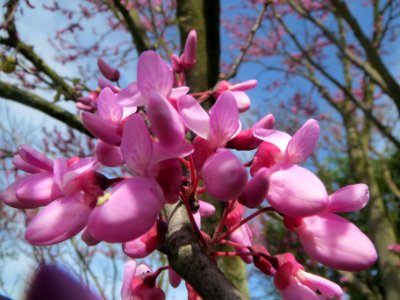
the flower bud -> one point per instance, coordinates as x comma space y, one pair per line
224, 175
189, 53
108, 72
255, 190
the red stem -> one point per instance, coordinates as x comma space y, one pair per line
191, 218
244, 221
221, 224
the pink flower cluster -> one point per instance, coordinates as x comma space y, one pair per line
145, 127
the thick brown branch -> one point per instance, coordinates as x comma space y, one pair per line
373, 56
367, 112
12, 92
356, 60
134, 26
28, 52
245, 48
187, 257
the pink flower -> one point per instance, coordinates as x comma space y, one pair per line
256, 189
59, 221
242, 100
287, 149
241, 235
217, 128
188, 58
143, 245
336, 242
332, 240
138, 283
148, 158
155, 82
245, 140
224, 175
107, 124
79, 186
130, 210
294, 283
108, 72
295, 191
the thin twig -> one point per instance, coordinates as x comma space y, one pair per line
245, 48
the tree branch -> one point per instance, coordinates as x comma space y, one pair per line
373, 57
367, 112
243, 50
12, 92
27, 51
189, 259
134, 26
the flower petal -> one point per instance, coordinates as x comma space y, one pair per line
224, 175
143, 245
108, 107
130, 96
35, 158
194, 116
136, 144
256, 189
165, 121
21, 164
153, 75
38, 189
297, 192
224, 120
327, 288
242, 100
105, 130
9, 197
130, 211
108, 155
278, 138
349, 198
129, 274
58, 221
336, 243
303, 142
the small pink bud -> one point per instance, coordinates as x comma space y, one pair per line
256, 189
174, 278
224, 175
349, 198
176, 63
244, 86
206, 209
108, 72
244, 141
189, 53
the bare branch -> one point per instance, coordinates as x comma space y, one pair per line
134, 26
373, 56
12, 92
239, 59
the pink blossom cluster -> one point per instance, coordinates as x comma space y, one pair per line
145, 126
